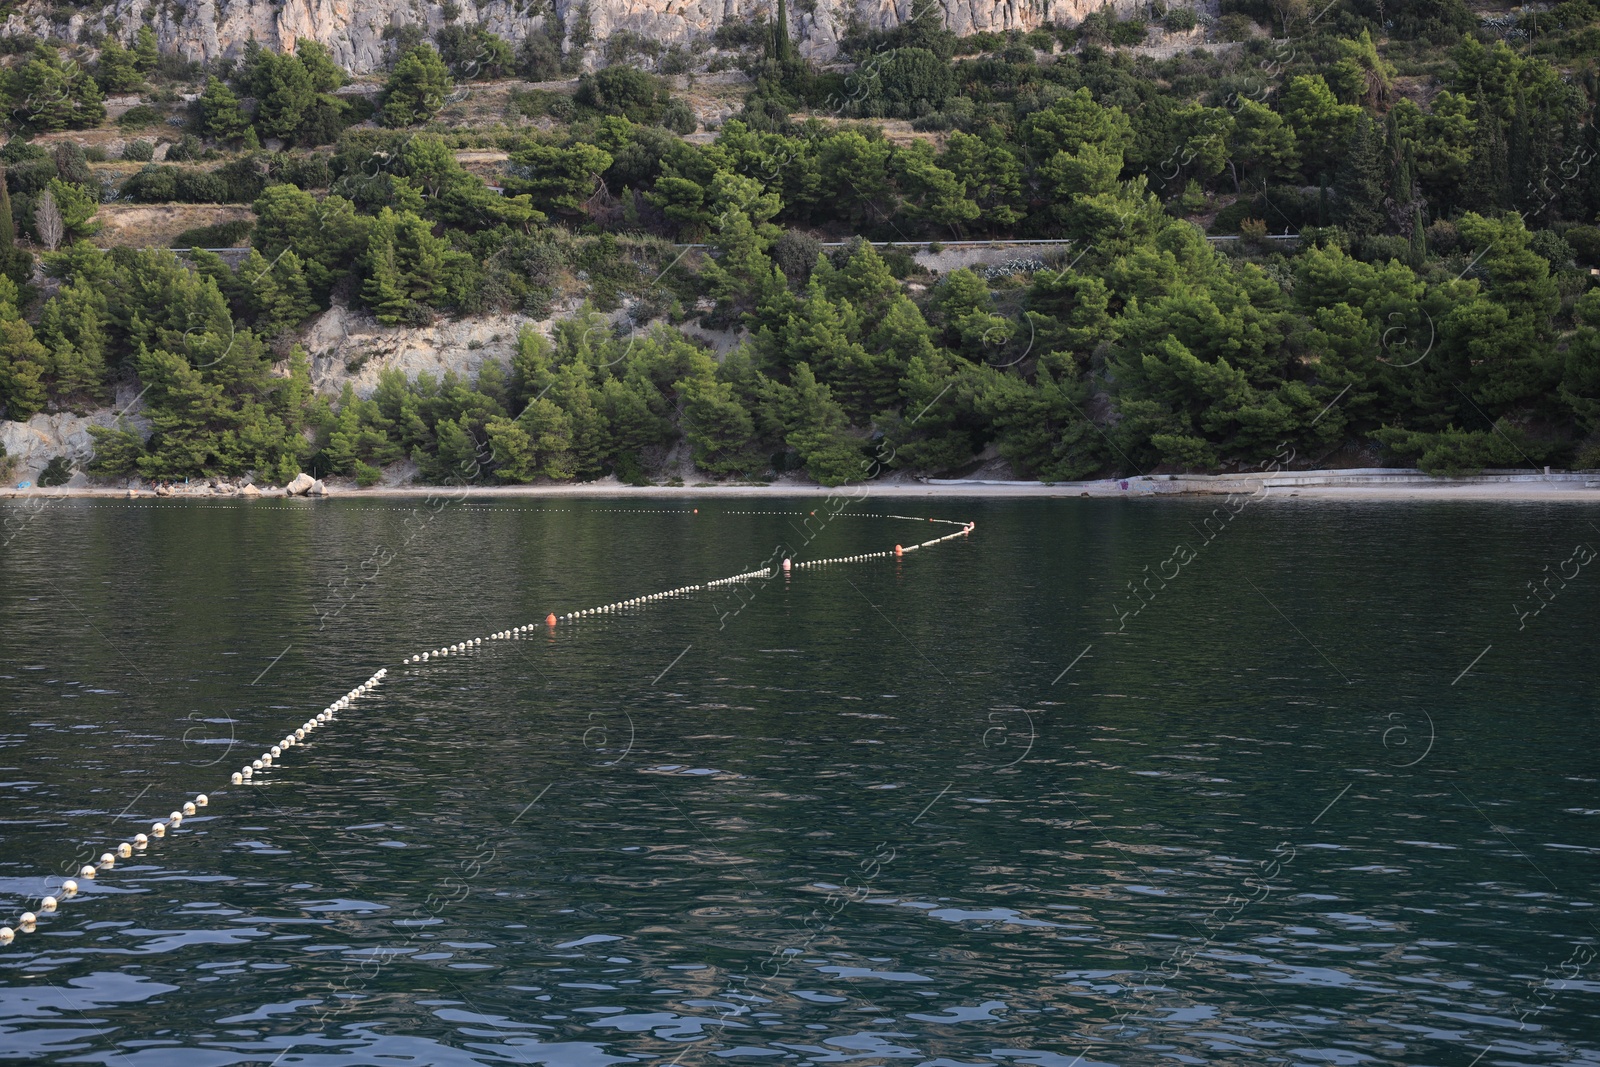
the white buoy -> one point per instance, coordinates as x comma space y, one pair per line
266, 759
86, 872
140, 841
107, 859
201, 800
175, 819
7, 935
237, 779
48, 904
124, 850
276, 752
158, 829
28, 918
69, 887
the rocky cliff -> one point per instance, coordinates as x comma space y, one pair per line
354, 32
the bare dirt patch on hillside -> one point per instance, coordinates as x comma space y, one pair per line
157, 225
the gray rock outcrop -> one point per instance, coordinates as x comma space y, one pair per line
205, 30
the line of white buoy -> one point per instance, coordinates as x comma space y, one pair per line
139, 843
69, 888
551, 620
447, 650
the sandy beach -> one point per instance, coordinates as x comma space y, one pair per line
1370, 485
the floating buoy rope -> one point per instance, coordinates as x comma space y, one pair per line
139, 844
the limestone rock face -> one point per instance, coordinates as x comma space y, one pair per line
42, 438
350, 346
354, 32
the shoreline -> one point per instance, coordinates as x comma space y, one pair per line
1346, 485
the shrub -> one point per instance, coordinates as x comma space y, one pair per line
562, 109
367, 475
138, 151
199, 187
1551, 246
1041, 39
635, 94
220, 235
676, 61
795, 254
1236, 27
95, 154
1443, 238
57, 472
1179, 19
741, 34
244, 178
912, 74
187, 150
141, 115
1585, 244
539, 59
313, 171
1131, 32
679, 117
1381, 248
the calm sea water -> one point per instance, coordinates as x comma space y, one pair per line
1324, 792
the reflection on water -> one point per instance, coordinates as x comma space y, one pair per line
947, 810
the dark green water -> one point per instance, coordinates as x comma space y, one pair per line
1265, 819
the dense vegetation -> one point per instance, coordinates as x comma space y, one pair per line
1437, 307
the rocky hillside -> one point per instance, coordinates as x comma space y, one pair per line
354, 32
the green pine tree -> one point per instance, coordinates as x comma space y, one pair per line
145, 53
221, 115
417, 87
118, 68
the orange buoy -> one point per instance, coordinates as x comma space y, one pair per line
550, 619
697, 511
786, 565
899, 551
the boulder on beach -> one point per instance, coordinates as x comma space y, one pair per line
301, 485
249, 490
317, 489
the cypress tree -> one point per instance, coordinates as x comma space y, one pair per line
1403, 200
1523, 171
1359, 182
1488, 184
782, 47
1419, 239
15, 263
